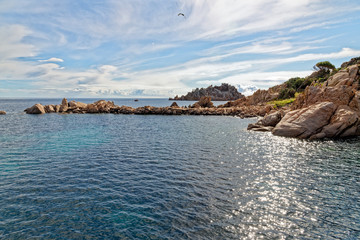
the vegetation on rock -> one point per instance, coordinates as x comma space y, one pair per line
325, 66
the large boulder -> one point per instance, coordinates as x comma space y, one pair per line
64, 105
348, 76
100, 106
80, 105
36, 109
204, 102
174, 105
262, 96
267, 123
344, 123
57, 108
340, 95
2, 112
303, 123
49, 108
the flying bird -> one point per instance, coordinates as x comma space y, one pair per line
181, 14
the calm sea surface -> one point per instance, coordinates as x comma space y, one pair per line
107, 176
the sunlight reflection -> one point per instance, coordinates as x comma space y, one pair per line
274, 193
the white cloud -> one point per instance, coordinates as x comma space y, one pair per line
53, 59
11, 42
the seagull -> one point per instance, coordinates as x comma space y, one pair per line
181, 14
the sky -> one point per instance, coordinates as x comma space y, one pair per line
144, 48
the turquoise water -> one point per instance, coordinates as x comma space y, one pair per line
105, 176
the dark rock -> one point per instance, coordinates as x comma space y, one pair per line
174, 104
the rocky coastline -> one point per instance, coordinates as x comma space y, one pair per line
326, 109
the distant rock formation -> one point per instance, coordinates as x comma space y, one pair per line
2, 112
327, 110
225, 92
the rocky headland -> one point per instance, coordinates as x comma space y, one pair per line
328, 109
224, 92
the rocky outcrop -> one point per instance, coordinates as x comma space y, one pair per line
2, 112
328, 110
267, 123
100, 106
261, 96
174, 104
64, 105
225, 92
305, 122
36, 109
204, 102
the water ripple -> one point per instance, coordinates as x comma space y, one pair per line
156, 177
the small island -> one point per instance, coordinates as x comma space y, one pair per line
224, 92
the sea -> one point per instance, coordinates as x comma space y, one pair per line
106, 176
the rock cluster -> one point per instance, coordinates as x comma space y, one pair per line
330, 110
101, 106
202, 107
225, 92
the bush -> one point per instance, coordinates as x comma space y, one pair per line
287, 93
295, 83
325, 66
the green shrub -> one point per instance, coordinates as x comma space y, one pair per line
326, 65
287, 93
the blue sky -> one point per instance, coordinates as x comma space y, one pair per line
142, 48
